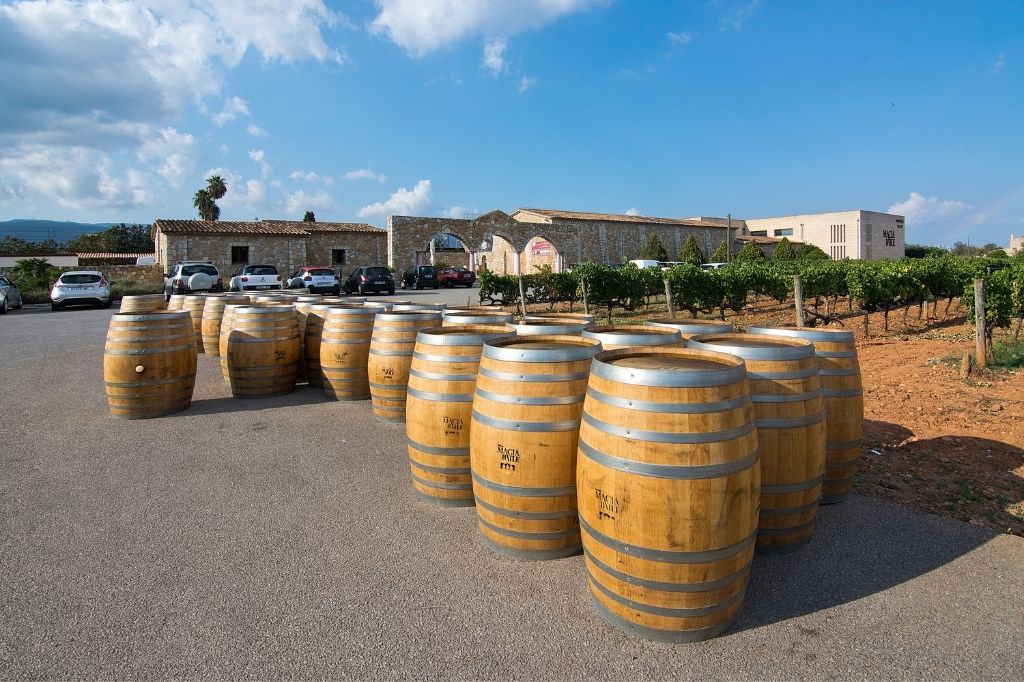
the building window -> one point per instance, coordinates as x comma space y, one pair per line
867, 252
784, 232
759, 233
867, 236
239, 255
337, 256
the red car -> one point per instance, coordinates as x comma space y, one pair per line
455, 276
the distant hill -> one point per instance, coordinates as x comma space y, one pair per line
57, 230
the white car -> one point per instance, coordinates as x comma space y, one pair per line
315, 280
88, 287
255, 278
10, 295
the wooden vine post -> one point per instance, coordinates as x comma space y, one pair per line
798, 300
522, 296
668, 300
980, 345
583, 286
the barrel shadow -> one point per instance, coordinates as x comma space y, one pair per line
302, 395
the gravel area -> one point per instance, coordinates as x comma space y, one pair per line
282, 538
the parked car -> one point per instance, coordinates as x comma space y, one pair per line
316, 280
713, 266
188, 276
80, 286
420, 277
255, 278
10, 295
456, 275
370, 279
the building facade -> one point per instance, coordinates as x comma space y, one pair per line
287, 245
864, 235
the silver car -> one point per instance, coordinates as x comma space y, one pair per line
10, 295
80, 286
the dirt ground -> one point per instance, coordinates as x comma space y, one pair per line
932, 440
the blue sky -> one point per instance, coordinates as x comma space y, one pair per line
114, 111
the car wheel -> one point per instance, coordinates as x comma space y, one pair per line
55, 307
391, 292
109, 303
335, 291
362, 290
3, 306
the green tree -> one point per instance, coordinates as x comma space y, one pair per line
923, 250
216, 186
309, 217
721, 254
750, 253
654, 249
34, 273
812, 252
204, 203
784, 250
691, 253
117, 239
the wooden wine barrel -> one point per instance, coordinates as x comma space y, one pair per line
398, 307
263, 351
394, 338
613, 337
344, 347
438, 406
226, 321
461, 316
689, 327
303, 304
668, 484
194, 304
350, 299
789, 411
213, 313
140, 305
149, 364
839, 369
525, 424
578, 317
549, 327
175, 302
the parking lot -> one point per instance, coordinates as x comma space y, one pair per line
281, 537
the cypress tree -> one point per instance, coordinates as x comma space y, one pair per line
654, 249
784, 250
691, 253
751, 252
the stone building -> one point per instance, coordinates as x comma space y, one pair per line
866, 235
286, 244
1016, 245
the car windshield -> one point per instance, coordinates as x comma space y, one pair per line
322, 272
189, 270
377, 272
427, 270
79, 278
263, 270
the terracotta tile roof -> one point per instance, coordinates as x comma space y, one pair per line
269, 227
115, 255
611, 217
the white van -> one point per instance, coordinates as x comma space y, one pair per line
641, 263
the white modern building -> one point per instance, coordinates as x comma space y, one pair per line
865, 235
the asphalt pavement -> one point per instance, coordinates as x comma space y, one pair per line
281, 538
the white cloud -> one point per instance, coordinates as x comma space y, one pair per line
299, 202
922, 209
525, 83
1000, 63
460, 212
738, 14
680, 38
402, 202
494, 55
233, 108
255, 130
365, 174
632, 211
175, 151
311, 177
259, 157
422, 26
248, 194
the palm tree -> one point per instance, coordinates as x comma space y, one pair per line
216, 186
208, 209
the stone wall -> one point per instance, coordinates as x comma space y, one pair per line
122, 274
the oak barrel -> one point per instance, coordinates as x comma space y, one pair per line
263, 351
669, 485
400, 306
613, 337
149, 364
549, 326
175, 301
438, 409
690, 327
344, 345
460, 316
391, 349
139, 305
213, 314
194, 304
579, 317
525, 424
839, 369
789, 411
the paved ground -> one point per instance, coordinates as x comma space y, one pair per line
257, 539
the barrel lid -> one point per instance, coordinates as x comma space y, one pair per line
404, 307
561, 316
151, 315
264, 309
666, 366
548, 326
415, 315
462, 335
542, 348
340, 309
827, 335
754, 346
633, 336
692, 326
